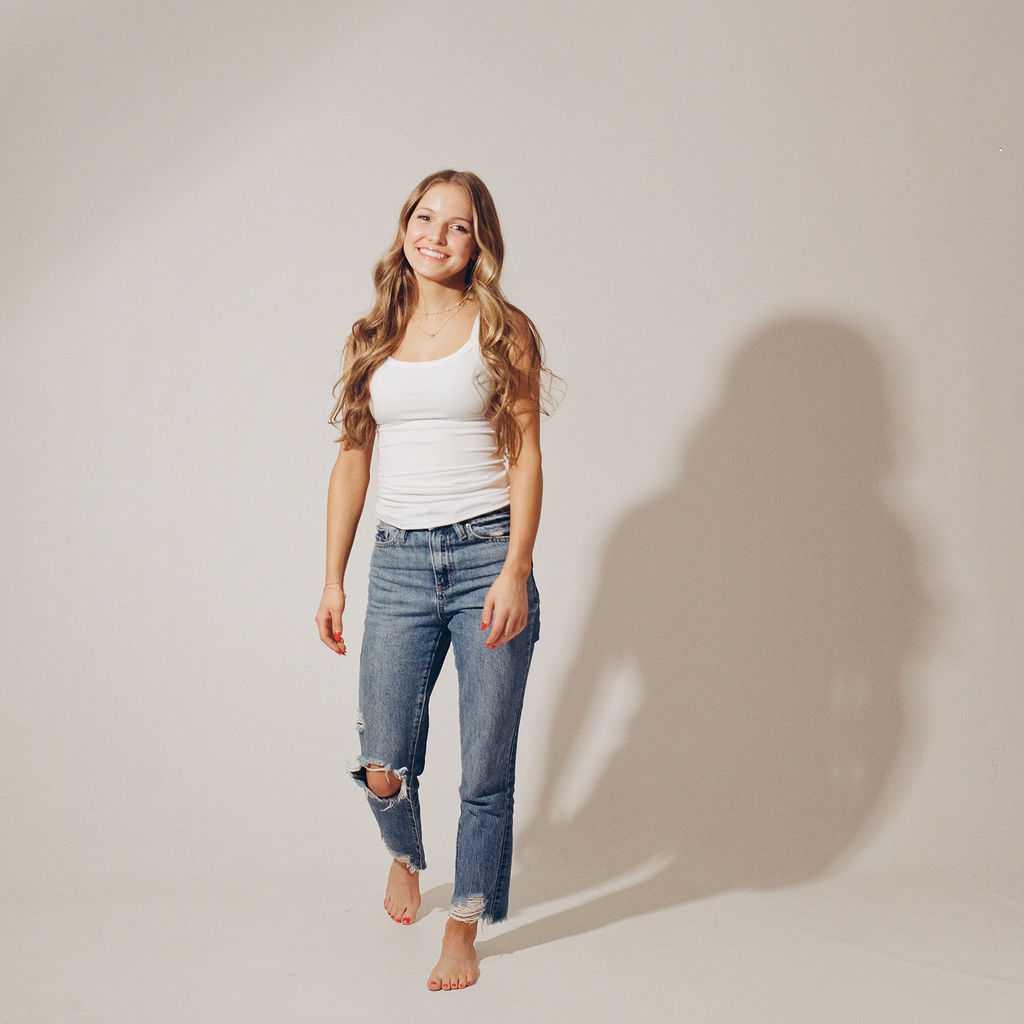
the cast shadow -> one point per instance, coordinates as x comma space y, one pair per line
766, 606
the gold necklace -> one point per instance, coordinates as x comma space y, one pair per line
452, 310
438, 312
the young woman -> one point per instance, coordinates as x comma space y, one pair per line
444, 375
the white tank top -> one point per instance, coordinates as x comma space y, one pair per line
435, 448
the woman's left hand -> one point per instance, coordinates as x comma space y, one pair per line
506, 609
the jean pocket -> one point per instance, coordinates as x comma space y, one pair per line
492, 526
387, 536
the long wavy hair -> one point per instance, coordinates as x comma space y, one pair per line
509, 341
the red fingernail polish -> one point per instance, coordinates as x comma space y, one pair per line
337, 636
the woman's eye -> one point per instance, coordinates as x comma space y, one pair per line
460, 227
422, 216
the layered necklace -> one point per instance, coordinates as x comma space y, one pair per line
450, 310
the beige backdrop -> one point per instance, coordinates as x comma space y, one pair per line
774, 250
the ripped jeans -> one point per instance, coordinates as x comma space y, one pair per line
427, 590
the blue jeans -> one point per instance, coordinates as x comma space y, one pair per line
427, 590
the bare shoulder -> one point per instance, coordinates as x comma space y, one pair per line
520, 321
524, 334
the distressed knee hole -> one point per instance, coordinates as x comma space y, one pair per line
382, 781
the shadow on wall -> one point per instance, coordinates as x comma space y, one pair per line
768, 603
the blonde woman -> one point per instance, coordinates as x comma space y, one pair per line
444, 377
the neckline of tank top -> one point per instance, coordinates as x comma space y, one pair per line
444, 359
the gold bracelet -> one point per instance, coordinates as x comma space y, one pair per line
338, 585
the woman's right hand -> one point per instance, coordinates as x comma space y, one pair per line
328, 618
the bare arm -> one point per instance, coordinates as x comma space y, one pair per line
346, 494
506, 607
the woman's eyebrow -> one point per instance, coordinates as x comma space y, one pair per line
430, 209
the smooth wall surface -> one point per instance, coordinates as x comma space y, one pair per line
775, 252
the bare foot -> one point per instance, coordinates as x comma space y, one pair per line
402, 896
457, 967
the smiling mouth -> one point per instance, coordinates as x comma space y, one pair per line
433, 254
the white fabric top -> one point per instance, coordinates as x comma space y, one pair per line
435, 449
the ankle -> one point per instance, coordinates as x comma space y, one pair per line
467, 911
463, 930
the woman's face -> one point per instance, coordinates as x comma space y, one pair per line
439, 242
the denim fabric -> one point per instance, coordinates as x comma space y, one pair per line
427, 590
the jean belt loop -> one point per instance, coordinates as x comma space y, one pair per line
460, 530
